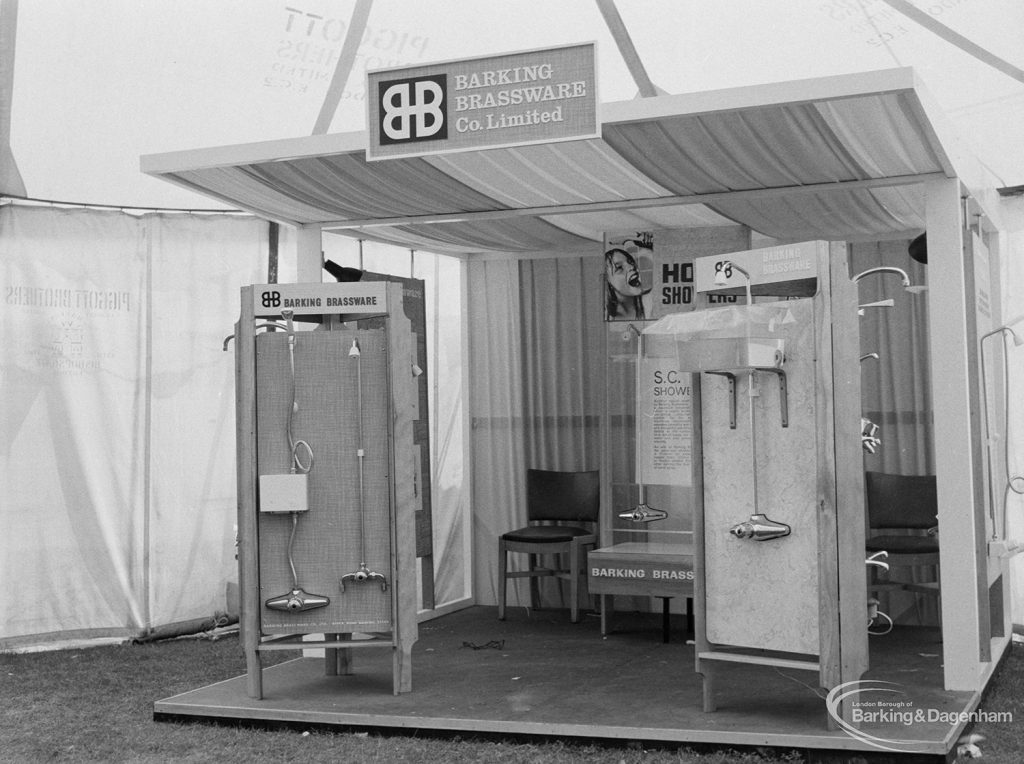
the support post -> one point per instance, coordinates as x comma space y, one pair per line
342, 70
954, 457
626, 48
248, 542
309, 255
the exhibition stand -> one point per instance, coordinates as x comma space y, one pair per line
777, 487
326, 475
731, 423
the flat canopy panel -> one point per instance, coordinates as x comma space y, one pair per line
833, 215
551, 174
584, 224
517, 234
832, 158
758, 148
347, 186
232, 186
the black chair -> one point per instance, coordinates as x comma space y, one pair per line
902, 518
562, 513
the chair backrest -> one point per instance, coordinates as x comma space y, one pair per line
566, 496
901, 501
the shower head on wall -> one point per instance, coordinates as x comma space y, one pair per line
723, 271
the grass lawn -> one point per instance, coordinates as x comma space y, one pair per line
96, 705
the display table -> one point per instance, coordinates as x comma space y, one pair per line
637, 569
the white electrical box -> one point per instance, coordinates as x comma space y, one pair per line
284, 493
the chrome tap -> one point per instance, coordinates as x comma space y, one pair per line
760, 528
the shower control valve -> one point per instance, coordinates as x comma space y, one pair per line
643, 514
364, 574
297, 600
760, 528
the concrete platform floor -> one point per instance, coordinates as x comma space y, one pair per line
538, 675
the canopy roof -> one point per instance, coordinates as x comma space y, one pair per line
839, 157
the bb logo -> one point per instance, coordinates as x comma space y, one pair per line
413, 110
271, 299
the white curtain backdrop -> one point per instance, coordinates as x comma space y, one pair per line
498, 441
896, 387
536, 343
452, 550
198, 265
562, 330
117, 418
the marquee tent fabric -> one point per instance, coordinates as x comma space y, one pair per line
117, 418
832, 158
142, 78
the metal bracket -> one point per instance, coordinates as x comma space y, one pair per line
732, 395
783, 393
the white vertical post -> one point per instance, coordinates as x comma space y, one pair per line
948, 342
469, 511
1000, 292
309, 255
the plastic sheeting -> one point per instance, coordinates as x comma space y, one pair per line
117, 418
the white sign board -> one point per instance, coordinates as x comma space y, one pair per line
538, 96
789, 270
354, 299
664, 423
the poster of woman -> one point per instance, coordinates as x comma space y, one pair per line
628, 268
